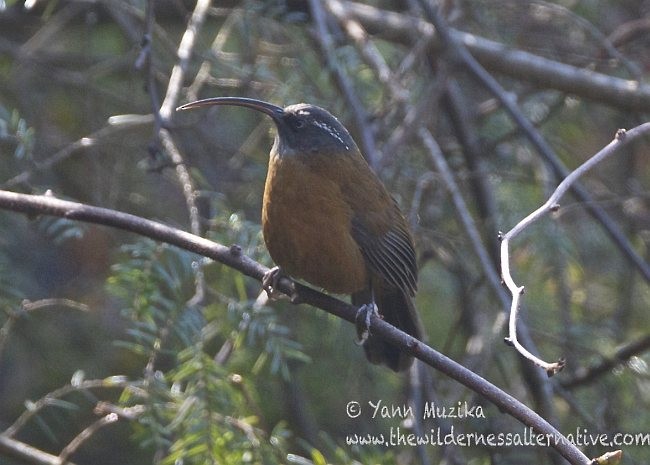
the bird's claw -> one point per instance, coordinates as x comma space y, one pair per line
270, 282
362, 321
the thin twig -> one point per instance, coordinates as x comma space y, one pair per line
399, 95
233, 257
622, 139
115, 125
463, 213
216, 48
623, 354
170, 102
144, 61
28, 306
86, 434
185, 50
416, 115
604, 41
369, 51
324, 40
128, 413
26, 453
462, 55
535, 69
115, 382
53, 28
548, 74
629, 31
541, 391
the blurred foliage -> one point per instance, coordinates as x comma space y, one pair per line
14, 131
211, 372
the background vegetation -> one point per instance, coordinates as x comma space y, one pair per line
162, 357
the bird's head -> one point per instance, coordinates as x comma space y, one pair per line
302, 129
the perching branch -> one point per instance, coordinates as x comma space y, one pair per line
622, 139
233, 257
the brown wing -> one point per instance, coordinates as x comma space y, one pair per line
376, 223
389, 254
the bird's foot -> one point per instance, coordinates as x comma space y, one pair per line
270, 282
362, 321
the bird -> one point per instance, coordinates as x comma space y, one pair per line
327, 219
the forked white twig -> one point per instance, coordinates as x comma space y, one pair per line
621, 139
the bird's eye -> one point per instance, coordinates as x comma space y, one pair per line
300, 123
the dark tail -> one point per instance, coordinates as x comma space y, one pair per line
398, 309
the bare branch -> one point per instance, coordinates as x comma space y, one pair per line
629, 31
463, 213
462, 54
29, 454
541, 390
233, 257
26, 453
368, 51
86, 434
128, 413
586, 376
114, 125
617, 92
324, 40
114, 382
622, 139
45, 35
28, 306
602, 39
185, 50
171, 102
184, 54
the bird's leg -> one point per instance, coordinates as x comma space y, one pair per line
362, 320
270, 282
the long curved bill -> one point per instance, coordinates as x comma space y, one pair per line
273, 111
